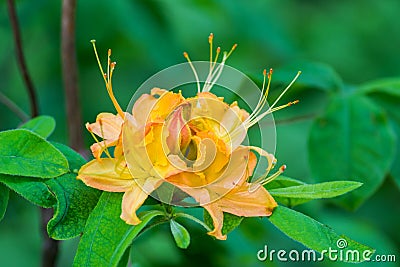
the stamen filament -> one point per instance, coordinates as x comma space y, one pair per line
98, 60
287, 88
273, 176
185, 54
255, 116
107, 78
100, 144
102, 133
210, 41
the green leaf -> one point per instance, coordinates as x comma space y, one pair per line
283, 181
75, 201
313, 234
313, 75
230, 222
34, 190
25, 153
389, 86
386, 93
353, 139
75, 160
106, 236
180, 234
42, 125
125, 257
316, 191
4, 195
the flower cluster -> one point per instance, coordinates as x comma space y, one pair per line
192, 144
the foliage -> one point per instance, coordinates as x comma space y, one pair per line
342, 131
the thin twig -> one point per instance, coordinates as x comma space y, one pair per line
49, 246
13, 107
70, 76
21, 58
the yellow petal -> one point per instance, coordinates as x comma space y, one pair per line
105, 174
165, 104
149, 108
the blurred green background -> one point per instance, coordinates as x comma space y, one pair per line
358, 40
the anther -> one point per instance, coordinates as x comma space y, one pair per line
210, 38
282, 168
270, 73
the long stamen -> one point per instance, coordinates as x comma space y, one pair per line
231, 51
102, 133
107, 78
273, 176
98, 60
263, 97
210, 41
194, 71
287, 88
210, 73
108, 65
215, 74
256, 117
100, 144
269, 111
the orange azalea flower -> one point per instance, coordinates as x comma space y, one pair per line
193, 144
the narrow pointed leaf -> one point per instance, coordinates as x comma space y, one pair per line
42, 125
180, 234
282, 181
4, 195
25, 153
106, 236
315, 235
316, 191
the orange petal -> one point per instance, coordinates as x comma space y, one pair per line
98, 148
165, 104
104, 174
131, 202
218, 221
248, 203
142, 108
107, 126
178, 132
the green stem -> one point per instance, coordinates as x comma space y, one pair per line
190, 217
